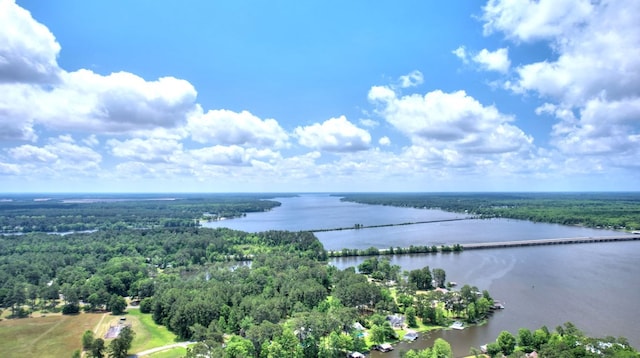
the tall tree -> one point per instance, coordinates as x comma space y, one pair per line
441, 349
290, 344
97, 348
117, 305
410, 313
378, 334
239, 347
440, 277
421, 278
525, 339
205, 349
507, 342
87, 339
119, 347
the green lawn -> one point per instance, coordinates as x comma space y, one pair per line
148, 333
171, 353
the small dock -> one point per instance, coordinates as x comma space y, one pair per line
559, 241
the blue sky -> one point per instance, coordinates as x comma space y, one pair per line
155, 96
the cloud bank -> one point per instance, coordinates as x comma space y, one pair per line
122, 128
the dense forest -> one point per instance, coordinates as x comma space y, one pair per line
606, 210
287, 303
124, 262
64, 213
190, 281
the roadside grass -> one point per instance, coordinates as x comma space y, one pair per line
51, 336
177, 352
148, 333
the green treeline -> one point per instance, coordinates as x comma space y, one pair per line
566, 341
605, 210
24, 214
413, 249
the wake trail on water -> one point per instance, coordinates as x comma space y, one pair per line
496, 267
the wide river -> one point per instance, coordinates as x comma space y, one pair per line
595, 286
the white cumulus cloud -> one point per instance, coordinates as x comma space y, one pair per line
493, 61
454, 120
415, 78
592, 86
149, 150
28, 50
17, 112
334, 135
528, 20
608, 128
36, 92
118, 103
599, 57
59, 155
232, 155
232, 128
461, 53
31, 153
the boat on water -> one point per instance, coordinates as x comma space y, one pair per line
457, 325
384, 347
410, 336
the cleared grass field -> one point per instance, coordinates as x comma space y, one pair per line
58, 336
52, 336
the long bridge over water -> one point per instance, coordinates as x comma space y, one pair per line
495, 245
559, 241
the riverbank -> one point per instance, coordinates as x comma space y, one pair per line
611, 210
401, 345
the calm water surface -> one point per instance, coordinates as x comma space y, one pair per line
312, 212
595, 286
